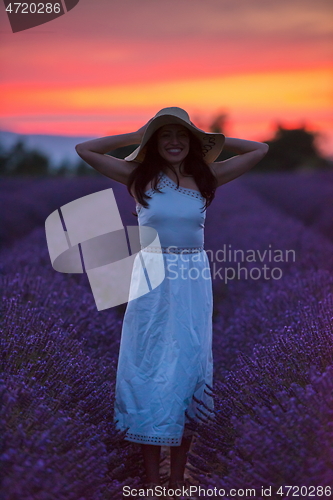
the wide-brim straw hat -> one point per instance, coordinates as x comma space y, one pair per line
212, 143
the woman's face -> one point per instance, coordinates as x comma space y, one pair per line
173, 142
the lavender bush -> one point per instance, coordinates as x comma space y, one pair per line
59, 360
272, 356
307, 196
249, 311
278, 459
275, 340
273, 414
26, 203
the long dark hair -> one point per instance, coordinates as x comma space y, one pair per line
153, 163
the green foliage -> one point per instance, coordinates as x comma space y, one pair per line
3, 159
82, 169
24, 162
292, 149
63, 170
218, 127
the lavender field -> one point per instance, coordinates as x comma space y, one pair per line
273, 350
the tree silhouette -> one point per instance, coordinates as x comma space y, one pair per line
3, 160
22, 161
218, 126
290, 149
63, 170
82, 168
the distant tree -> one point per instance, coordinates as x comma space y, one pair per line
218, 126
14, 155
64, 170
3, 159
34, 163
26, 162
82, 168
292, 149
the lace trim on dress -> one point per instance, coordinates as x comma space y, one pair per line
138, 438
158, 440
165, 181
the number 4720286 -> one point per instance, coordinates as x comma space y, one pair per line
33, 8
304, 491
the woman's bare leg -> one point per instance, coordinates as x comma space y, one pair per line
178, 456
151, 459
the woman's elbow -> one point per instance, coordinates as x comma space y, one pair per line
265, 148
262, 150
79, 149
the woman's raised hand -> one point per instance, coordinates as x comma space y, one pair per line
94, 152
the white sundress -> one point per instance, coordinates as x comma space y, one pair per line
165, 355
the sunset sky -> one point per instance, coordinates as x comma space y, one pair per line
106, 67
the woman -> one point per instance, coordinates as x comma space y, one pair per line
165, 355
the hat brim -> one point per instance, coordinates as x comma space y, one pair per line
212, 143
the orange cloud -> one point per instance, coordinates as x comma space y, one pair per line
273, 92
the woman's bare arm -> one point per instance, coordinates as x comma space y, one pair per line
249, 154
94, 153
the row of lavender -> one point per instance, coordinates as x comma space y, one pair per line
274, 351
59, 360
59, 356
307, 196
26, 203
